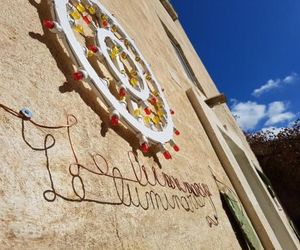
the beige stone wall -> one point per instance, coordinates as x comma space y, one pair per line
36, 73
229, 123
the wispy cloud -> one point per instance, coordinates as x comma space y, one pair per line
270, 84
279, 118
250, 114
291, 78
273, 84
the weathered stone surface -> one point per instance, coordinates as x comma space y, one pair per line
36, 73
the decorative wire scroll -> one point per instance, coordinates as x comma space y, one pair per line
129, 192
224, 188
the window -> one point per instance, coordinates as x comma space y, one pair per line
268, 220
182, 59
169, 8
243, 226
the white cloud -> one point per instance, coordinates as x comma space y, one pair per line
273, 84
276, 108
276, 113
248, 114
279, 118
291, 78
270, 84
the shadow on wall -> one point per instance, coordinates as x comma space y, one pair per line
133, 189
65, 65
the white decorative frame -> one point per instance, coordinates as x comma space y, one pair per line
135, 96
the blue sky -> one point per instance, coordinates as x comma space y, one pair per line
251, 48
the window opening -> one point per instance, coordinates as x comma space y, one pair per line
170, 9
183, 60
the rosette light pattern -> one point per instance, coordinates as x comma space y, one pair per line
110, 62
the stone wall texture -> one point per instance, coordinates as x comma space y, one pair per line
44, 204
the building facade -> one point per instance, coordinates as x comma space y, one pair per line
77, 173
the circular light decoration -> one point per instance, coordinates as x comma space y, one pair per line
108, 59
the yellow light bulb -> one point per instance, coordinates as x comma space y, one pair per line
147, 119
92, 10
148, 77
155, 93
158, 105
133, 73
89, 53
137, 112
137, 58
114, 28
115, 51
126, 42
79, 29
103, 17
160, 113
80, 7
75, 14
124, 55
133, 81
156, 120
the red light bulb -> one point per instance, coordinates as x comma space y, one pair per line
86, 19
144, 147
153, 100
114, 120
172, 112
176, 148
122, 92
177, 132
49, 24
77, 76
93, 48
104, 23
147, 111
167, 155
